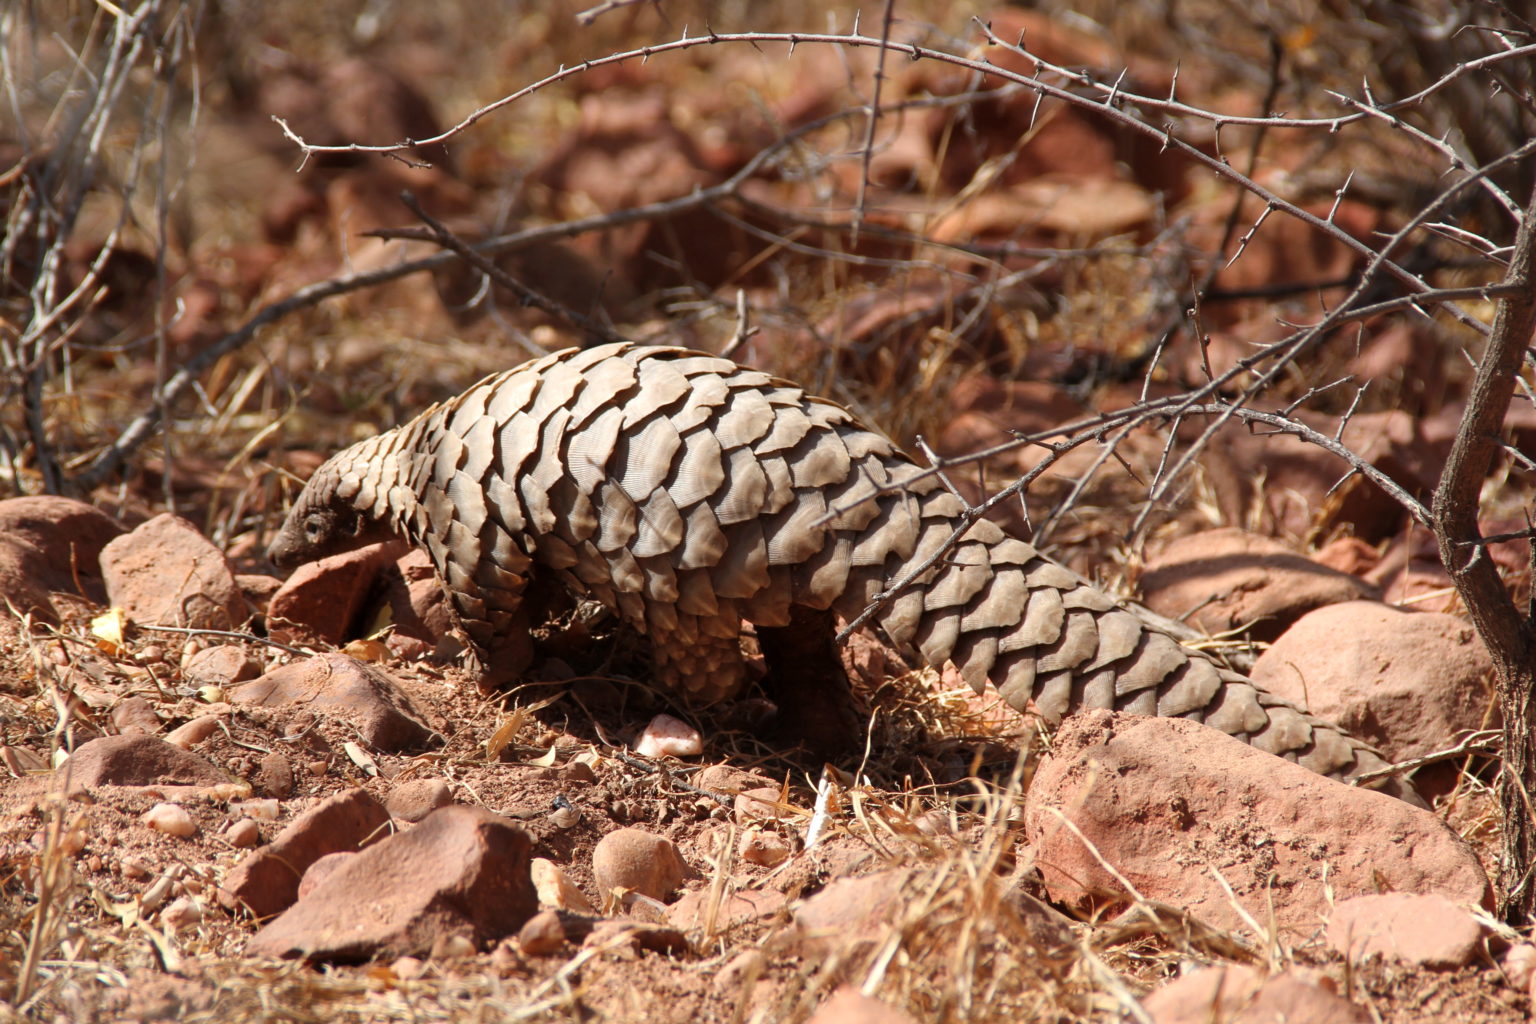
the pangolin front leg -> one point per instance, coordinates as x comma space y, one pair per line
690, 494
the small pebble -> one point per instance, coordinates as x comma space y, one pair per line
135, 715
415, 799
243, 834
274, 776
182, 913
408, 968
221, 665
72, 842
542, 934
763, 848
452, 947
172, 819
261, 810
194, 732
631, 858
578, 771
135, 870
666, 736
727, 781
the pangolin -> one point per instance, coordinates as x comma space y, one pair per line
690, 493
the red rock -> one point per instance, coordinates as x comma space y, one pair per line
136, 760
416, 798
1407, 682
1234, 994
21, 584
1410, 571
852, 910
68, 534
21, 762
322, 869
1298, 477
243, 834
274, 776
1221, 580
666, 736
848, 1006
990, 412
341, 686
463, 870
220, 665
542, 934
632, 858
1425, 931
190, 734
417, 604
728, 780
135, 715
267, 881
1166, 801
167, 573
688, 913
762, 804
1348, 554
51, 544
321, 601
258, 589
172, 819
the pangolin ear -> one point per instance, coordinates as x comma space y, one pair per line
350, 523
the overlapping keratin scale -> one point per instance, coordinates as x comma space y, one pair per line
689, 493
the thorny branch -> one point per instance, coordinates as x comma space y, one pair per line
143, 426
1117, 106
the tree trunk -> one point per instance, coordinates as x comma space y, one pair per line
1504, 630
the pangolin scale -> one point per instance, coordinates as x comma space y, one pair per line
690, 494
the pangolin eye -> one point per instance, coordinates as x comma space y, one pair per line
312, 528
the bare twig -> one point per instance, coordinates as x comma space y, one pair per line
448, 240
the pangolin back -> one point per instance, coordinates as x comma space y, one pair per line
690, 493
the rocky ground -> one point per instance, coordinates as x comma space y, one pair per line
228, 794
268, 784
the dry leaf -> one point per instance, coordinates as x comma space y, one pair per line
504, 733
367, 650
108, 629
361, 758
